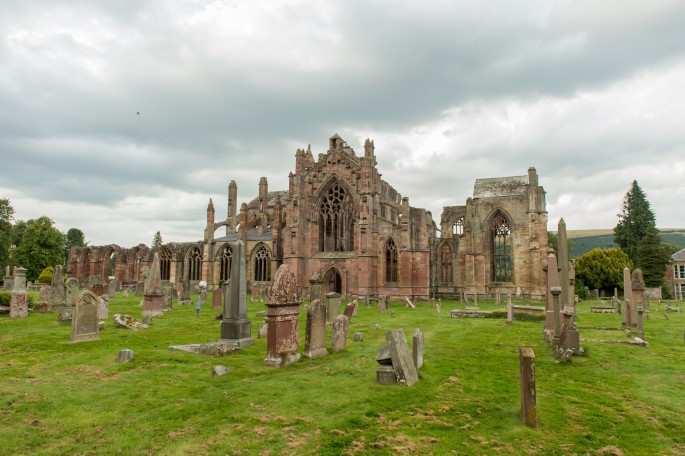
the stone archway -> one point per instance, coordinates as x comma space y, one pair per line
332, 281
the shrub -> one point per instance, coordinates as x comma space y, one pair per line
46, 275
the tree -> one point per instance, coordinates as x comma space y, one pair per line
46, 275
6, 216
41, 245
634, 221
602, 268
157, 240
652, 257
74, 238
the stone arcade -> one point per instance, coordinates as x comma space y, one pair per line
342, 229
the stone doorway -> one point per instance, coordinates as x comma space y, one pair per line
333, 282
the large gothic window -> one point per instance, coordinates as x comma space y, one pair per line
336, 221
500, 249
195, 264
390, 261
445, 263
262, 265
225, 257
165, 264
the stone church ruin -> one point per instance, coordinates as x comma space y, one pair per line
341, 228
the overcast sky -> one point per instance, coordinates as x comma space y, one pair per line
590, 93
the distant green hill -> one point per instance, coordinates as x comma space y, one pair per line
585, 240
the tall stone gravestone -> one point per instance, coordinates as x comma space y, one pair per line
64, 313
8, 282
316, 285
168, 299
19, 302
57, 298
112, 289
97, 289
528, 394
551, 312
84, 324
315, 335
417, 348
339, 333
153, 299
564, 279
103, 307
235, 326
333, 306
637, 283
627, 297
283, 320
217, 298
140, 289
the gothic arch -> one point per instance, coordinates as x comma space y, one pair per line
165, 258
193, 262
391, 257
445, 263
224, 258
261, 263
498, 232
333, 280
336, 217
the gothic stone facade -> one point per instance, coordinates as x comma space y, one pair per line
341, 226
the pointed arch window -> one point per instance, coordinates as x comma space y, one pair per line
445, 257
500, 236
262, 264
195, 264
165, 264
458, 227
336, 221
225, 258
390, 261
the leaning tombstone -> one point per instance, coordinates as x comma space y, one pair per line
417, 348
153, 301
19, 301
315, 334
349, 310
283, 316
85, 325
402, 362
528, 396
103, 308
339, 333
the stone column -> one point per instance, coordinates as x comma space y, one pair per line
563, 267
556, 292
235, 326
638, 288
640, 323
627, 296
282, 344
19, 302
510, 310
528, 395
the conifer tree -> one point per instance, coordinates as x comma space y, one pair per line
652, 257
634, 221
157, 240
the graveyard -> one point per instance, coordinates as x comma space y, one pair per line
62, 397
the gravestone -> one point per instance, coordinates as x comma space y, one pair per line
627, 297
528, 394
217, 298
125, 293
358, 337
235, 326
566, 301
84, 324
125, 356
97, 289
112, 289
316, 286
637, 283
402, 362
333, 306
8, 281
203, 295
140, 289
64, 312
57, 292
315, 334
167, 299
417, 348
19, 301
44, 293
185, 292
93, 280
510, 310
283, 316
339, 333
153, 298
263, 331
103, 308
367, 300
349, 310
550, 312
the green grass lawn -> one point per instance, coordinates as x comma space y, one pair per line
63, 398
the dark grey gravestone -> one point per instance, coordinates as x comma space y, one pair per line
402, 362
417, 346
125, 356
235, 326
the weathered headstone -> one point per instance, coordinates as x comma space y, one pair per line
315, 334
417, 348
316, 286
217, 298
103, 308
112, 289
333, 306
339, 333
84, 324
64, 312
349, 310
93, 280
528, 394
44, 293
140, 289
551, 317
218, 371
8, 281
97, 289
640, 323
235, 326
627, 297
125, 293
57, 291
510, 310
283, 314
168, 298
637, 283
564, 279
358, 337
125, 356
153, 301
19, 301
402, 362
263, 330
185, 292
367, 300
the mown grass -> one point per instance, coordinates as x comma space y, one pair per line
64, 398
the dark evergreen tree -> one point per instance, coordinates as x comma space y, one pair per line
6, 215
634, 221
652, 257
74, 238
